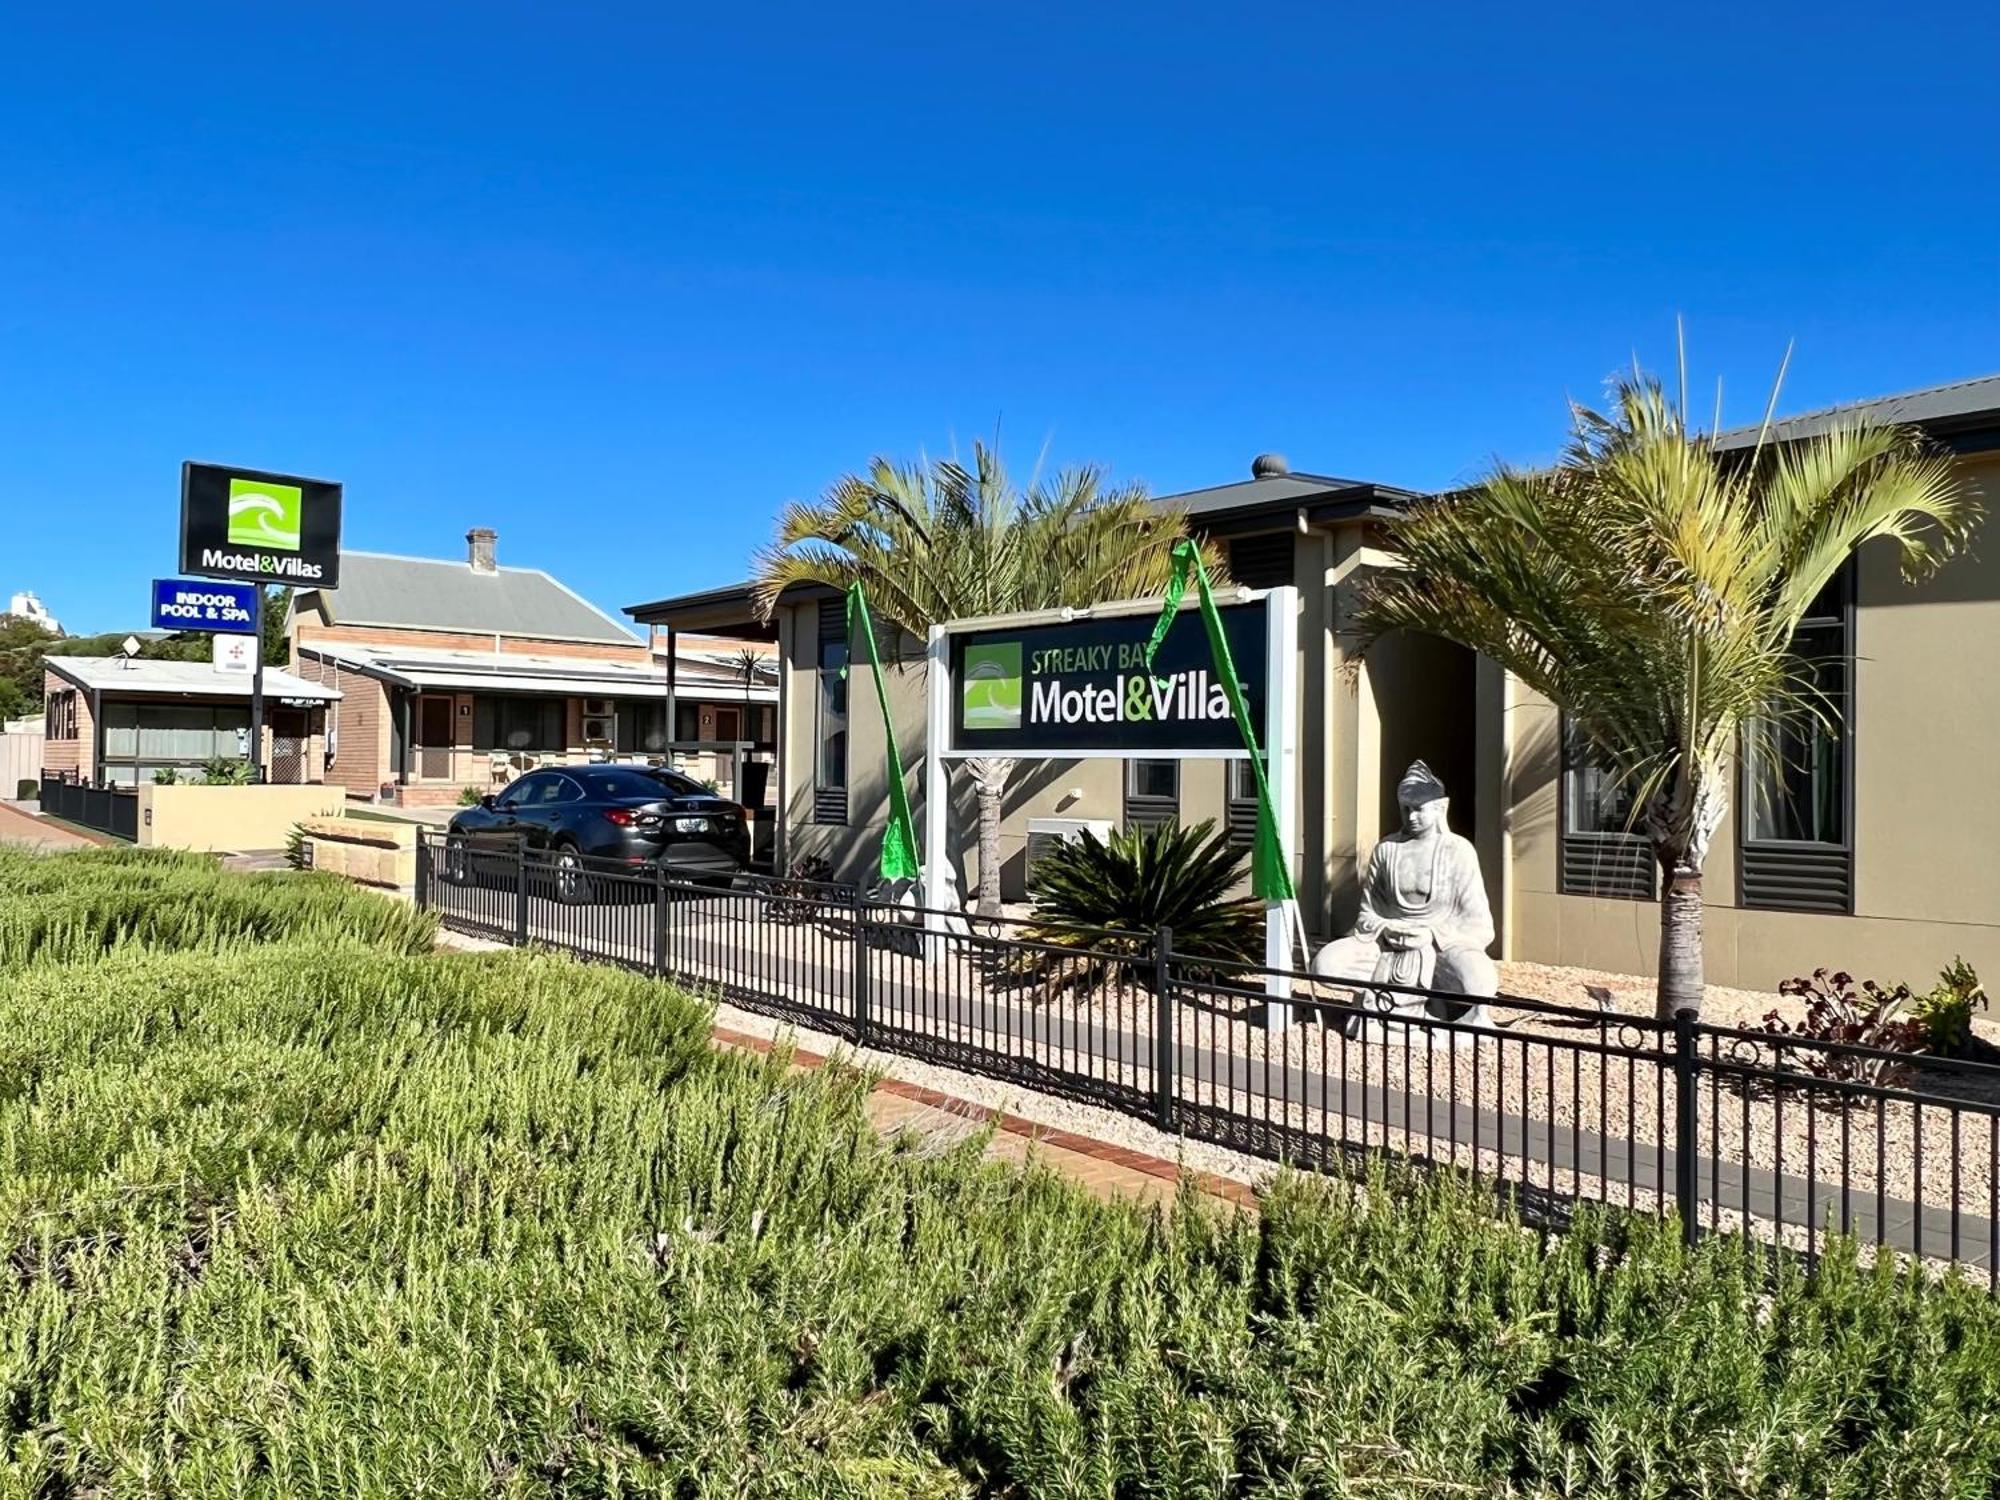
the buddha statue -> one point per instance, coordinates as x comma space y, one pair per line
1424, 918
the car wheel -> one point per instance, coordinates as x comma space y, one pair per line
572, 884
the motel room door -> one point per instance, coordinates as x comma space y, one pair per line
434, 734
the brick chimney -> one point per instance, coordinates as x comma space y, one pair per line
479, 549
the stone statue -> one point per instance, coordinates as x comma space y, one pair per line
1424, 919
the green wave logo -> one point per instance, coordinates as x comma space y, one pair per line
263, 514
992, 688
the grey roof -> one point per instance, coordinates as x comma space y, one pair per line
1958, 406
421, 593
141, 677
1279, 490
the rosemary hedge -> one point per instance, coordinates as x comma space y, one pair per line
70, 907
306, 1219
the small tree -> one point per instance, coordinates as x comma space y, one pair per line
1650, 584
937, 541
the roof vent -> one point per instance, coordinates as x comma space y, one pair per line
479, 549
1268, 465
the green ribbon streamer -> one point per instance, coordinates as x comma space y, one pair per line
899, 839
1270, 875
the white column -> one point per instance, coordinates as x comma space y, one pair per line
1281, 745
937, 783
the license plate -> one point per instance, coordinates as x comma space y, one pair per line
692, 825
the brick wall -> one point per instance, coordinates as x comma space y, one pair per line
308, 630
361, 748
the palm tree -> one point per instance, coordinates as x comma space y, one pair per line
938, 541
1650, 584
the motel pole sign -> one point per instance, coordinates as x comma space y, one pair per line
256, 527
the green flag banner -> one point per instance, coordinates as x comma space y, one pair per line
899, 839
1270, 875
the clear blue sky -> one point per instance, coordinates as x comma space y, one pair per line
619, 282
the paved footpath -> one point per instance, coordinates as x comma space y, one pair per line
29, 832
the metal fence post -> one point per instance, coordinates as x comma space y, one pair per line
858, 909
521, 892
423, 893
1163, 1029
1687, 1132
659, 921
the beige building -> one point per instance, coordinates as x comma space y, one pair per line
1877, 851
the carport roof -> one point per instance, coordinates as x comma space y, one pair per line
136, 677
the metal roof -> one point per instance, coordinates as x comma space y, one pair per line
1272, 491
1957, 407
514, 672
139, 677
423, 593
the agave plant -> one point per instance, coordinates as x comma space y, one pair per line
1112, 897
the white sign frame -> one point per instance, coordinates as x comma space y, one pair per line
1280, 738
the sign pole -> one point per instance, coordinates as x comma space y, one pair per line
937, 787
257, 692
1281, 738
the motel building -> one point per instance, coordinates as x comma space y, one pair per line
457, 675
1875, 849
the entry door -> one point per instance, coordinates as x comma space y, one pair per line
434, 732
728, 726
290, 740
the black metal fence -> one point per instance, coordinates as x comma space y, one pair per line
108, 809
1786, 1139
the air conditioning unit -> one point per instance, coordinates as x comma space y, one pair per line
1045, 833
600, 731
597, 708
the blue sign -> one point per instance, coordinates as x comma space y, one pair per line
203, 604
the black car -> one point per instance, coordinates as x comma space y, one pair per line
634, 815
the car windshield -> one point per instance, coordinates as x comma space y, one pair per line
634, 783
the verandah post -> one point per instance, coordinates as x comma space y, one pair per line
1163, 1029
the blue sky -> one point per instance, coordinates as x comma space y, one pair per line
620, 281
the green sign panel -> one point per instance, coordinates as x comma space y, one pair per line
258, 527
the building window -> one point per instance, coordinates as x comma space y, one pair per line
830, 716
1263, 561
1240, 814
142, 738
1793, 802
1152, 792
59, 715
642, 727
535, 725
1601, 852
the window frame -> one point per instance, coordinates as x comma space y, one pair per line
1596, 864
830, 799
1761, 862
1148, 809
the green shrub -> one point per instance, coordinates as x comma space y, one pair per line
167, 776
1144, 879
226, 770
468, 796
291, 1221
307, 1218
72, 907
1945, 1012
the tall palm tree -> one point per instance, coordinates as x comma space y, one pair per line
938, 541
1650, 584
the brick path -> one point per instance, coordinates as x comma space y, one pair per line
1105, 1170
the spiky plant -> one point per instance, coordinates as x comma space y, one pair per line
1650, 585
936, 541
1111, 896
